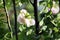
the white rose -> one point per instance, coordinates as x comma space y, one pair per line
55, 10
28, 22
22, 19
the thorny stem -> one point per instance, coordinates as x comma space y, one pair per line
8, 20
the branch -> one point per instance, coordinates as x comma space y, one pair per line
7, 16
31, 3
15, 27
36, 17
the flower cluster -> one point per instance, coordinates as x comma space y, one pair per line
25, 18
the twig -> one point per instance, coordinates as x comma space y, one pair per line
31, 3
8, 20
15, 27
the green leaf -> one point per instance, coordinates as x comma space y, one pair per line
55, 29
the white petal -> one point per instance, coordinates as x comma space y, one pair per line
22, 15
54, 2
20, 19
32, 22
23, 11
27, 21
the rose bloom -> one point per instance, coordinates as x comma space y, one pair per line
55, 10
23, 20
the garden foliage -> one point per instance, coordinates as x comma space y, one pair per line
48, 15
